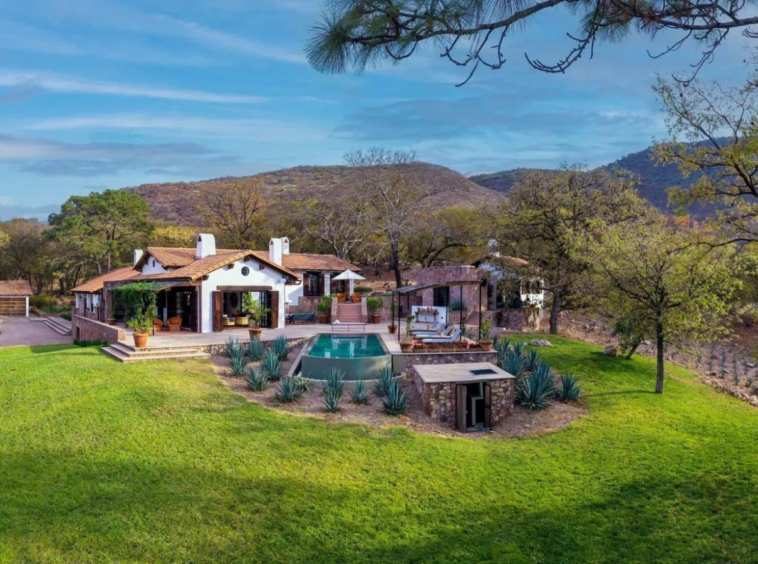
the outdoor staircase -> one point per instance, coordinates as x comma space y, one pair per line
349, 313
59, 325
127, 353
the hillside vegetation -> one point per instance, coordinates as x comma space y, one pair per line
177, 202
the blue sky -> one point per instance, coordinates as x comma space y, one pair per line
101, 94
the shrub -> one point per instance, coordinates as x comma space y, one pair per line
66, 316
567, 389
385, 378
257, 379
272, 366
281, 347
396, 400
512, 363
233, 348
486, 329
363, 289
374, 304
332, 400
335, 381
289, 390
325, 305
254, 350
359, 395
237, 365
80, 343
534, 391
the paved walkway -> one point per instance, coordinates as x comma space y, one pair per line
32, 331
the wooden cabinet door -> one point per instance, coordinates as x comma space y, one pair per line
487, 406
461, 408
217, 299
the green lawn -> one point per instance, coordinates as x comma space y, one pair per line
158, 462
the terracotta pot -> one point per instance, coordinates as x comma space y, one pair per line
112, 321
392, 329
486, 344
323, 318
254, 332
140, 340
356, 298
406, 346
376, 318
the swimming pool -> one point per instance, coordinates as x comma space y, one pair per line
360, 357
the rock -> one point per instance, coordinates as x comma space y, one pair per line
610, 350
540, 343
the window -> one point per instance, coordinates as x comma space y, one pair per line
245, 271
311, 284
441, 297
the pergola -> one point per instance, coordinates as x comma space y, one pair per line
408, 290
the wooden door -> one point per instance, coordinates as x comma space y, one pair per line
274, 310
487, 406
461, 408
217, 300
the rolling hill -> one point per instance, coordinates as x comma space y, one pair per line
177, 202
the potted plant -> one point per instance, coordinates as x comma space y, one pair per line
392, 328
111, 321
406, 345
141, 323
324, 309
256, 312
374, 304
485, 341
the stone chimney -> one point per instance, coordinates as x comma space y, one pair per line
276, 250
206, 246
137, 255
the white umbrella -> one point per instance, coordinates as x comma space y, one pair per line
351, 277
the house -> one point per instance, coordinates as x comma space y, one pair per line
511, 284
205, 284
14, 298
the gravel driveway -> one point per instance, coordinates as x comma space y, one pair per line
16, 331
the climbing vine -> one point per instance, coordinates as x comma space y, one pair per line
136, 299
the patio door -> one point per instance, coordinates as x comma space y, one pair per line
265, 299
217, 302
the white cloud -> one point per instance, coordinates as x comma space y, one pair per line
82, 86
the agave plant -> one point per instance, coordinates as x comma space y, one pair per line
237, 365
233, 347
281, 347
518, 349
257, 379
512, 364
396, 401
384, 380
332, 400
501, 345
272, 366
536, 389
359, 394
567, 388
289, 390
532, 360
334, 382
254, 350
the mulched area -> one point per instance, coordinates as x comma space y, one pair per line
521, 422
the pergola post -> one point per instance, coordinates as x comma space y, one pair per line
480, 312
461, 321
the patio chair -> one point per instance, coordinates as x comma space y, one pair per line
435, 334
341, 297
433, 328
453, 338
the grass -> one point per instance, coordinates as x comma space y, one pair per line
158, 462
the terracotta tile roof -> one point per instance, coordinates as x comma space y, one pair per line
175, 257
306, 261
15, 288
200, 267
96, 284
515, 262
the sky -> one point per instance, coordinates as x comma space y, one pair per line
98, 94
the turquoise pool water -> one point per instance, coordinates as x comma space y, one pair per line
343, 346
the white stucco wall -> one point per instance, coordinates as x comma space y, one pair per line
226, 277
498, 272
152, 266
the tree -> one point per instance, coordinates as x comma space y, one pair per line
395, 195
550, 215
105, 227
235, 211
449, 234
27, 254
353, 34
720, 127
673, 283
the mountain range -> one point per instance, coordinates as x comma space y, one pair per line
178, 202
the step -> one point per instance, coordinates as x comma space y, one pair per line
131, 350
55, 324
121, 356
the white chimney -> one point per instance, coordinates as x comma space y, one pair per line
206, 246
285, 246
137, 255
492, 244
275, 251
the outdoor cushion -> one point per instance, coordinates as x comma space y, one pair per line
451, 339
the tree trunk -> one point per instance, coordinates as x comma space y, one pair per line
555, 311
659, 344
395, 263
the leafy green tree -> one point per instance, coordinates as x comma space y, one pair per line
354, 34
105, 227
548, 218
676, 285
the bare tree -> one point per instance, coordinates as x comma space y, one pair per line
235, 209
470, 33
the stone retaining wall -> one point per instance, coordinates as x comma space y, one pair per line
85, 329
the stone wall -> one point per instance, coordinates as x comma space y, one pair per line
306, 304
442, 274
85, 329
412, 359
440, 401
